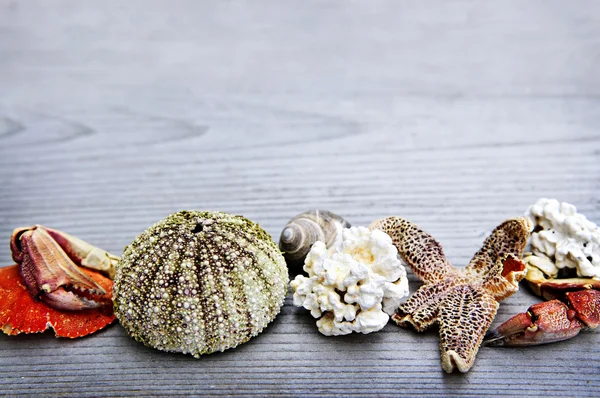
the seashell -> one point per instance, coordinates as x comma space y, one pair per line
199, 282
302, 231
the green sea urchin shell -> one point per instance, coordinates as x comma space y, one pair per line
199, 282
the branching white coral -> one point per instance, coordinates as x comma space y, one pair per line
563, 238
355, 285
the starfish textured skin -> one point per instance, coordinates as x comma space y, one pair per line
462, 301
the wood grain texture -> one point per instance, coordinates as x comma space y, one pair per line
455, 115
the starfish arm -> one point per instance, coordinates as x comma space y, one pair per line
503, 279
510, 237
423, 254
421, 309
464, 317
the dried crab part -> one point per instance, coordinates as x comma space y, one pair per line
20, 313
551, 288
49, 286
463, 302
50, 264
563, 268
550, 321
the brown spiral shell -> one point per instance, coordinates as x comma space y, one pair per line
302, 231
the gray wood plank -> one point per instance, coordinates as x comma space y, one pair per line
455, 115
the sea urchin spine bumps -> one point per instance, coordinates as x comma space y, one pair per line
199, 282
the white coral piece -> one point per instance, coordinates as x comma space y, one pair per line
355, 285
566, 239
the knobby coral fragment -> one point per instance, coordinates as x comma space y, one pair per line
354, 285
563, 239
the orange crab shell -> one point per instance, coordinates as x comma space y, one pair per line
551, 288
20, 313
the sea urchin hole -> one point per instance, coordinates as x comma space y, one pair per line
198, 228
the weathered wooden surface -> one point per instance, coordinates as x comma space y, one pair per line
456, 116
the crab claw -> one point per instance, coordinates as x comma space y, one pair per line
543, 323
549, 321
49, 263
586, 304
20, 313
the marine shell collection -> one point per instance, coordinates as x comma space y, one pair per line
199, 282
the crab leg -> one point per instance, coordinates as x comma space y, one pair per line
549, 321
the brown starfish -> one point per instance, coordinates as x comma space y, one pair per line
462, 301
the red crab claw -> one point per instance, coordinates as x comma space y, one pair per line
549, 321
20, 313
49, 263
586, 304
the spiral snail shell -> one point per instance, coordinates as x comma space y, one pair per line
302, 231
198, 282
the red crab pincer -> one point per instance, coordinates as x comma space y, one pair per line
59, 281
574, 306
